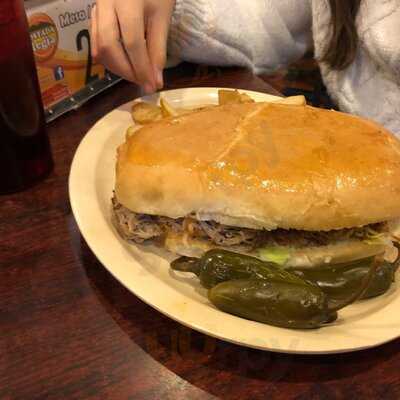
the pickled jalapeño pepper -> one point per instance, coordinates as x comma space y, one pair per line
279, 303
218, 266
339, 281
256, 290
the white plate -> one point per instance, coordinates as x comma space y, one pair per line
145, 270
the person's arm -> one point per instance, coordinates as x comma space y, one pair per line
380, 35
259, 34
130, 36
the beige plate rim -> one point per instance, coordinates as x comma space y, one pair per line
144, 270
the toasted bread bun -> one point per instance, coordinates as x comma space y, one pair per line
263, 165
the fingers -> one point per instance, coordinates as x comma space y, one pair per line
118, 32
131, 21
157, 34
106, 43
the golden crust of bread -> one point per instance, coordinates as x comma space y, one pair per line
263, 165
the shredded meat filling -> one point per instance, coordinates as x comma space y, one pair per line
136, 227
228, 235
143, 227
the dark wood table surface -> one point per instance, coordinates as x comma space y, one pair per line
69, 330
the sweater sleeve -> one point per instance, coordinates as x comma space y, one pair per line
370, 86
262, 35
380, 32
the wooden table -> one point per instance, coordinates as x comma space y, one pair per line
70, 331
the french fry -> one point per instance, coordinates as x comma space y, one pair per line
292, 100
167, 109
233, 97
228, 97
245, 98
146, 113
130, 131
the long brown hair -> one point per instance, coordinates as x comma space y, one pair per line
341, 50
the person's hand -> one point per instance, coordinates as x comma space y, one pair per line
130, 38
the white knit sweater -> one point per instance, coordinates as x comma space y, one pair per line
265, 35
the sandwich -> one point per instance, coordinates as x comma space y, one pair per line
295, 185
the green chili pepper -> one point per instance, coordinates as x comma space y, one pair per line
381, 283
341, 280
218, 266
282, 303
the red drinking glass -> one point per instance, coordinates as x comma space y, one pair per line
25, 155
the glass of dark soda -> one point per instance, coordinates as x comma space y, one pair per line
25, 155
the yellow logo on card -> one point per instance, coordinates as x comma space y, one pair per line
44, 36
